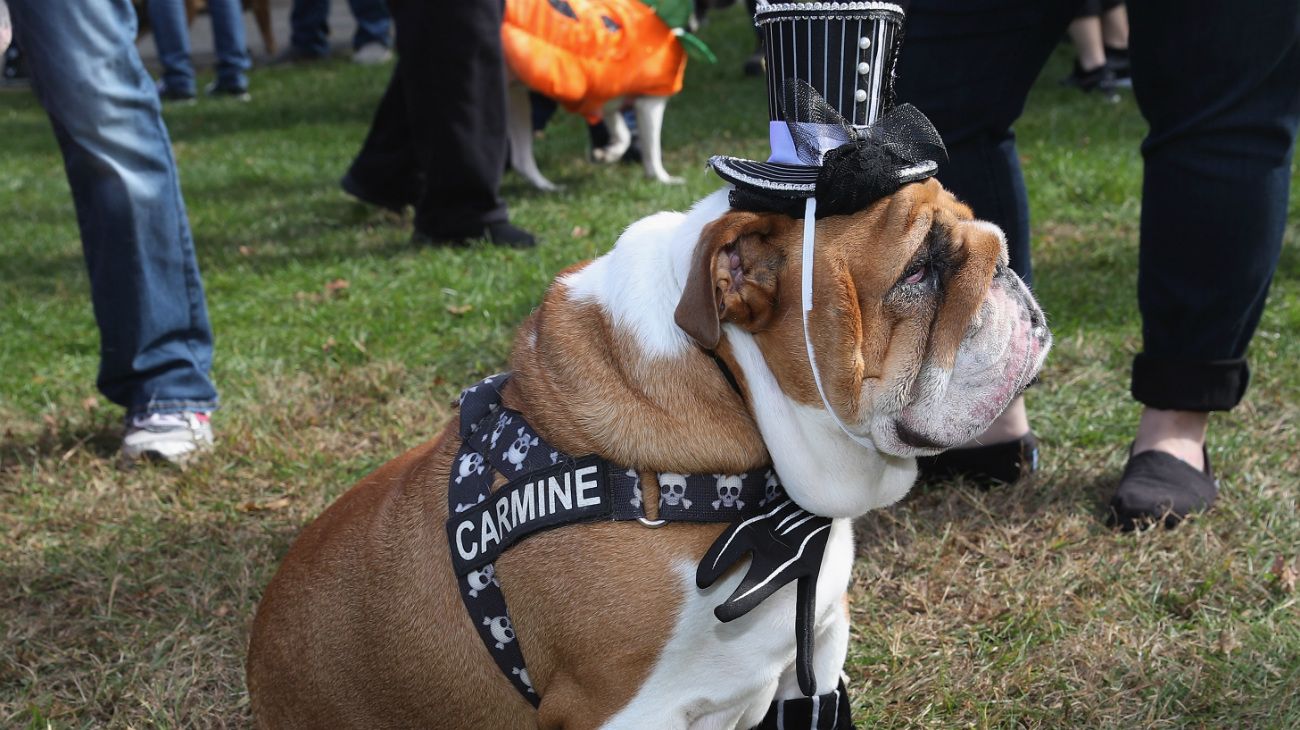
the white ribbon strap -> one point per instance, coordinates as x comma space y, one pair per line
809, 234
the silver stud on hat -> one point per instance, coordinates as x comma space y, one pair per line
860, 95
864, 68
864, 42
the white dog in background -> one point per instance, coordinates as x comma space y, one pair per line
649, 112
591, 56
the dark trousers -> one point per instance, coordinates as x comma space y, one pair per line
439, 135
309, 29
1219, 85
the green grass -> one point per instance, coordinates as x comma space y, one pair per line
125, 596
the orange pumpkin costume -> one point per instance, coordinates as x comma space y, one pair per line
583, 53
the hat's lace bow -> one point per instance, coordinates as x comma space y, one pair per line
858, 164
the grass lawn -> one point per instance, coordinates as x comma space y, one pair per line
126, 595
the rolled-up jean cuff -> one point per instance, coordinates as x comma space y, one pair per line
1189, 385
172, 406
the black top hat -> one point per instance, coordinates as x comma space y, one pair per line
834, 131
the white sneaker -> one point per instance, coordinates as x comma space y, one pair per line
170, 437
372, 54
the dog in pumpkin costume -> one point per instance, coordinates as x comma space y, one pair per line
589, 55
646, 524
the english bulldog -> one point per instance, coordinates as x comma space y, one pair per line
681, 351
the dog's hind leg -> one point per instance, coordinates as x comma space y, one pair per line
620, 137
649, 125
519, 126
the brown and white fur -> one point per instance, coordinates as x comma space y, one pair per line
363, 625
649, 121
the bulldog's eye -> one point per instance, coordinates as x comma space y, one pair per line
917, 274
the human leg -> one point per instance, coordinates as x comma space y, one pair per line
1114, 38
1114, 28
171, 35
453, 75
373, 23
1214, 203
385, 172
231, 46
309, 30
969, 66
1091, 71
1085, 34
155, 339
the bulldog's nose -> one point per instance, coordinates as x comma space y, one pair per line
1036, 318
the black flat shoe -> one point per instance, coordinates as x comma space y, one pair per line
497, 234
1160, 488
1100, 79
392, 202
1004, 463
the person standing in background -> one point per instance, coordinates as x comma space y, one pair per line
1099, 33
1219, 85
310, 30
155, 338
171, 34
438, 139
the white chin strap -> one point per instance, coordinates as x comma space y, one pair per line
809, 234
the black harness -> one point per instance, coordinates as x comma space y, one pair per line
547, 488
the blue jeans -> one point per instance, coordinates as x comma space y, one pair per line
310, 30
155, 340
171, 35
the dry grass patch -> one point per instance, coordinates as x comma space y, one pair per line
126, 594
1017, 607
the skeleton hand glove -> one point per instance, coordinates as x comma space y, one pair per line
784, 544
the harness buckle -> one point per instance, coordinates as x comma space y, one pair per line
652, 524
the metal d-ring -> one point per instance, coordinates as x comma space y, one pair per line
652, 524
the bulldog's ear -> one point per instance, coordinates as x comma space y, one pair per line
733, 276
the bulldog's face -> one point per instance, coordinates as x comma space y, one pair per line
921, 332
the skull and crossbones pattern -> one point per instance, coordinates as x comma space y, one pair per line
522, 674
672, 490
519, 449
502, 421
635, 501
501, 629
771, 489
480, 579
729, 491
462, 507
470, 463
